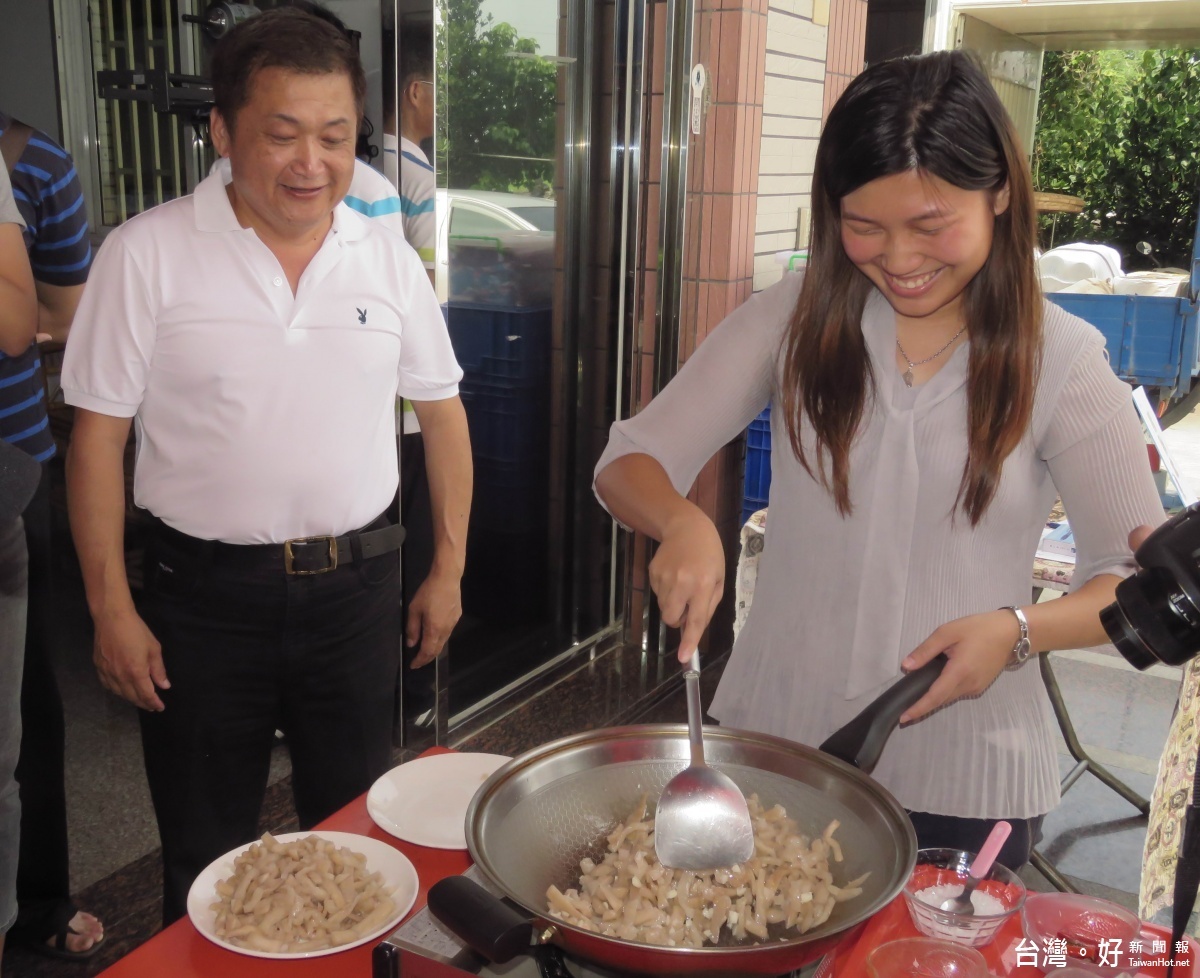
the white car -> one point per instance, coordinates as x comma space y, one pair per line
484, 214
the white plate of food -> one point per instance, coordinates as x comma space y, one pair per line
380, 889
425, 801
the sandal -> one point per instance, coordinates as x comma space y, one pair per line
57, 947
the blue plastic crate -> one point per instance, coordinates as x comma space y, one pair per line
479, 332
522, 370
756, 486
508, 423
510, 496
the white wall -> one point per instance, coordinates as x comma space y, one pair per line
792, 99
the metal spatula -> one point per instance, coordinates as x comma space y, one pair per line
702, 820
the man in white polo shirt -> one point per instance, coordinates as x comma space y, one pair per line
257, 335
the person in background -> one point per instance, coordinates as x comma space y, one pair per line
1174, 784
18, 478
49, 196
259, 331
404, 162
928, 405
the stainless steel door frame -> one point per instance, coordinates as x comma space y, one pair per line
678, 53
626, 200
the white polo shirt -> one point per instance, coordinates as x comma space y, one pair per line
260, 416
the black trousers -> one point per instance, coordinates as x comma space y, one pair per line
43, 879
969, 834
249, 649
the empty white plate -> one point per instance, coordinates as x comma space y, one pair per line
425, 801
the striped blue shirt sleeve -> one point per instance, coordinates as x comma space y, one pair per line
50, 197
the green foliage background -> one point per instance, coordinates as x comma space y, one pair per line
1121, 129
496, 105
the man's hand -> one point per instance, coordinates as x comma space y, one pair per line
688, 576
129, 659
978, 647
432, 615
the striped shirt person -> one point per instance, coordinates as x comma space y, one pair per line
50, 199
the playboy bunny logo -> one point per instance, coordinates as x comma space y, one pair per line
362, 315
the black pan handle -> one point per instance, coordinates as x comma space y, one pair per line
487, 924
860, 742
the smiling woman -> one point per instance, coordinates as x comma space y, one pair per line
934, 408
921, 240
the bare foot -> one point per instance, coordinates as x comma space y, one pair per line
83, 932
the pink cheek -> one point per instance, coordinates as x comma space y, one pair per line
861, 251
952, 246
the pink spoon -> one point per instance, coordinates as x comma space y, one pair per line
962, 904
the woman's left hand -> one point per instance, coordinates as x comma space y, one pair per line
978, 647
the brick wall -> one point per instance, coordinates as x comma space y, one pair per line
847, 46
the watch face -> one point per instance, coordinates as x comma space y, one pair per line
1021, 652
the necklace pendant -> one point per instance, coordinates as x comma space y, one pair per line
908, 377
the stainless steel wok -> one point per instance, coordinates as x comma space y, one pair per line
531, 822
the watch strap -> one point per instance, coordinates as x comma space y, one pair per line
1022, 649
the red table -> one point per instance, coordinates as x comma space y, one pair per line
893, 923
181, 952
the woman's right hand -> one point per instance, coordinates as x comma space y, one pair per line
688, 576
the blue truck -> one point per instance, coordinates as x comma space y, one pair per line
1152, 341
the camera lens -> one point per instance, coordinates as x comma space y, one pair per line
1153, 620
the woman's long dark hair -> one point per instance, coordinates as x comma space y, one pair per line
938, 114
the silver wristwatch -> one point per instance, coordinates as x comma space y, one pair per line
1021, 650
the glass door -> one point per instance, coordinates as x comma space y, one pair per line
519, 145
524, 117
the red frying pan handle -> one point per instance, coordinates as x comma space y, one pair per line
487, 924
860, 742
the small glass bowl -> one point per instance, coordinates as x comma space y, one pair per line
947, 867
1097, 932
924, 957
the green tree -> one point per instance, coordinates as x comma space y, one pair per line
496, 110
1118, 129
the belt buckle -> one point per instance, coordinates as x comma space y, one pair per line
289, 565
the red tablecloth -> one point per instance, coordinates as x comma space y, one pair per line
893, 923
180, 951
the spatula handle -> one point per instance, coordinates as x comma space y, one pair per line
487, 924
691, 684
861, 741
991, 849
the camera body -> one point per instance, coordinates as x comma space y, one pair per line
1156, 615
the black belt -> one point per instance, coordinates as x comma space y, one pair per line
301, 556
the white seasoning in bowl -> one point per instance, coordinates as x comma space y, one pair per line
984, 903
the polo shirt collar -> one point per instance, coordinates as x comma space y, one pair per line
214, 212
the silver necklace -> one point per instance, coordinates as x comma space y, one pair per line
908, 374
